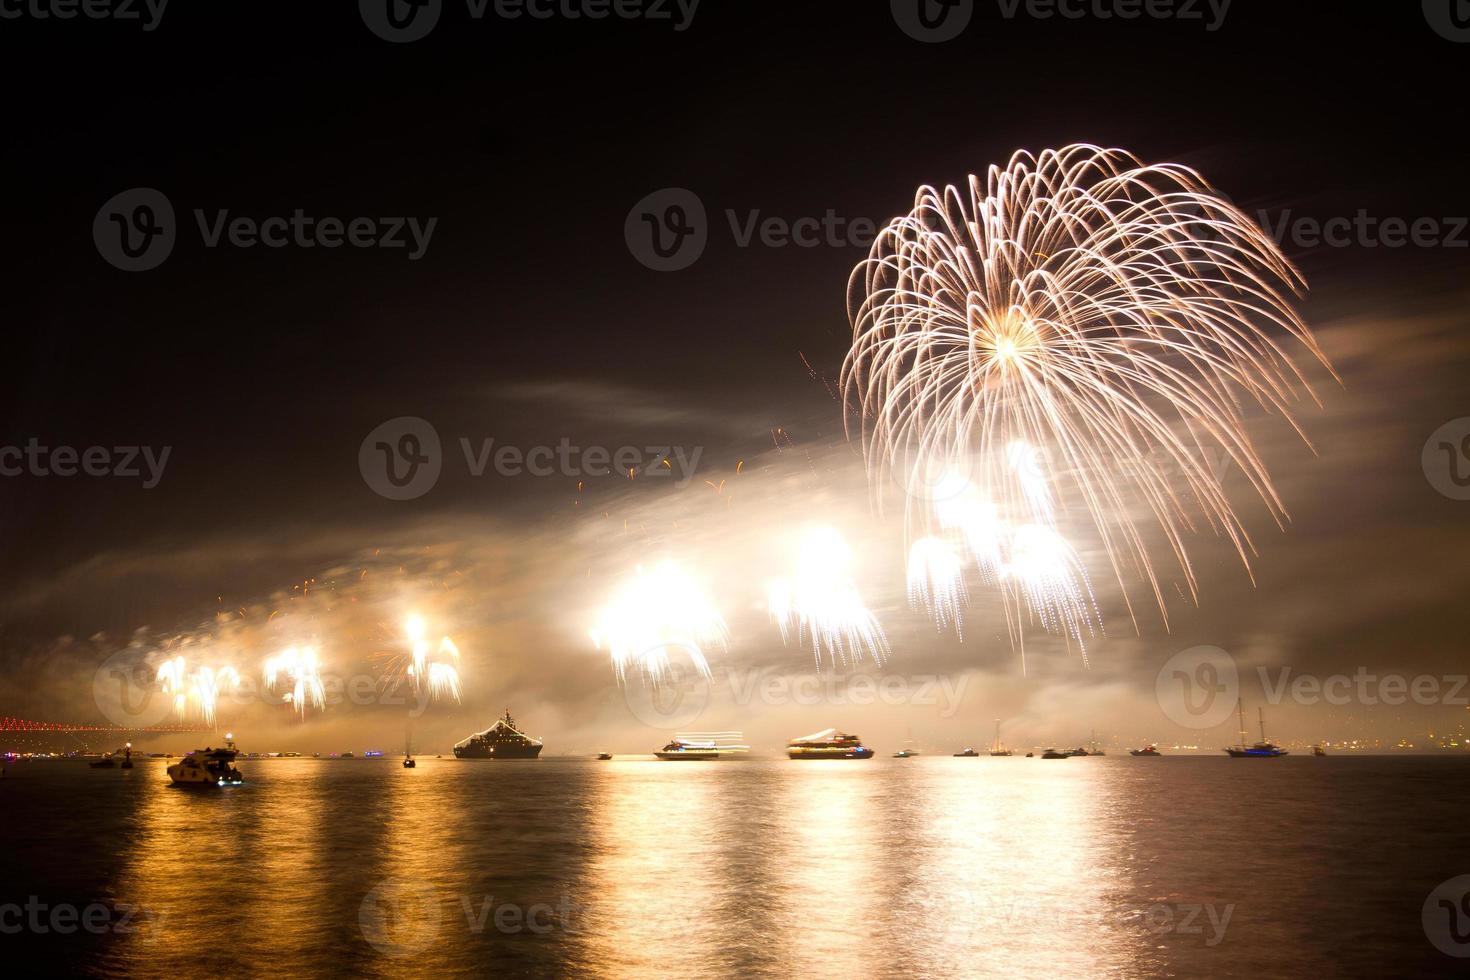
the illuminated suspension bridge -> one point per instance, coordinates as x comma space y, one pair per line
8, 724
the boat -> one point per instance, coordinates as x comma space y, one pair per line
603, 756
829, 743
968, 753
208, 767
106, 762
1264, 749
695, 746
1147, 750
905, 754
679, 750
373, 754
502, 740
1078, 751
998, 748
408, 762
1054, 754
1030, 755
347, 755
1319, 749
1093, 745
127, 762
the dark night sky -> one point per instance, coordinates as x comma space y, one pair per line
527, 319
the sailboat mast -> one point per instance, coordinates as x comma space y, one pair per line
1240, 714
1261, 712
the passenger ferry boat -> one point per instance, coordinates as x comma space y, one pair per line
679, 750
829, 743
208, 767
696, 746
501, 740
1147, 750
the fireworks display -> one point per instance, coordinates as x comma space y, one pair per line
298, 666
1076, 322
657, 613
937, 581
821, 603
199, 688
429, 667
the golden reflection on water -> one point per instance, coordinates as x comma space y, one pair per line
930, 867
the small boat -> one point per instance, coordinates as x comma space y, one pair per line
1054, 754
408, 762
1264, 749
1030, 755
208, 767
1078, 751
905, 754
127, 762
1147, 750
829, 743
1319, 749
347, 755
998, 747
968, 753
603, 756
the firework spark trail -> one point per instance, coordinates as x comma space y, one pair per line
299, 664
822, 602
200, 687
1090, 306
654, 613
937, 582
441, 674
1045, 573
